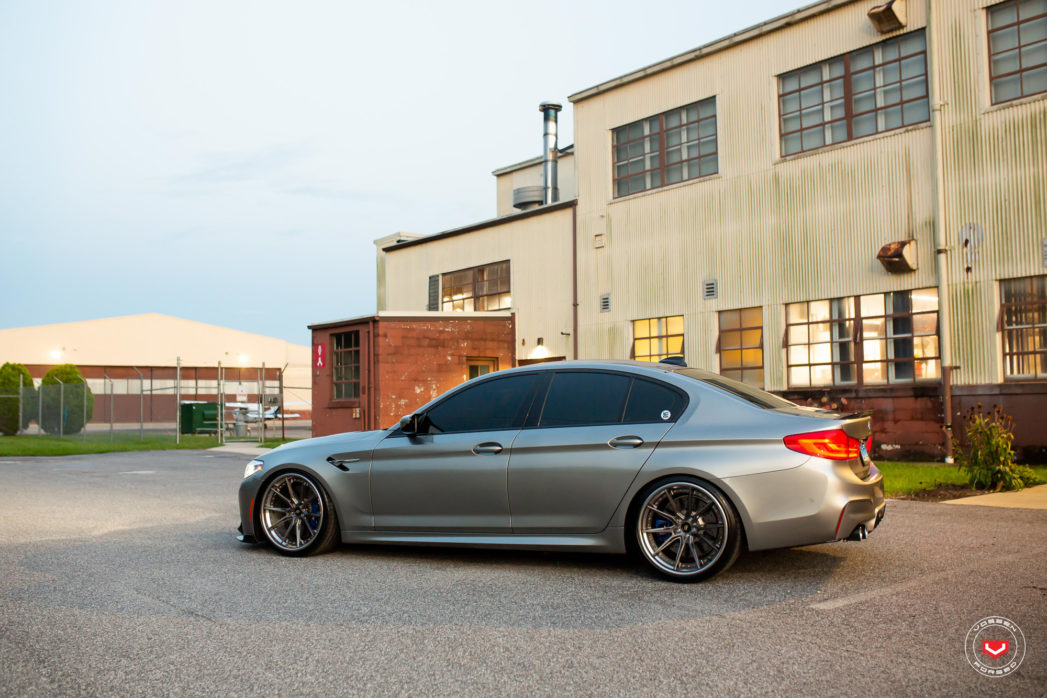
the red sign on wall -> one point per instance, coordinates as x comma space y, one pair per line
318, 354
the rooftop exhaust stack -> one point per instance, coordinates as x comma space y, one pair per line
551, 190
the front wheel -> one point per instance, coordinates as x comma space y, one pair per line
297, 516
687, 530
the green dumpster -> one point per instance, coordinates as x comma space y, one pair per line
199, 417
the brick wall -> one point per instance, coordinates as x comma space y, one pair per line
906, 421
405, 363
419, 360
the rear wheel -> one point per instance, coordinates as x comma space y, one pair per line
687, 530
297, 516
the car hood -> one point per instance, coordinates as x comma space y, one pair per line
323, 446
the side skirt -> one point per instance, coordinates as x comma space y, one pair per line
610, 540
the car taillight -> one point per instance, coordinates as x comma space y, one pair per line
833, 444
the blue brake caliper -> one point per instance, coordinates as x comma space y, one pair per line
659, 522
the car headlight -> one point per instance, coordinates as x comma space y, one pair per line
252, 468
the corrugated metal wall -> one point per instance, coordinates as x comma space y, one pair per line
774, 230
539, 248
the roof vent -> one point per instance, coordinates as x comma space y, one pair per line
709, 289
525, 198
605, 303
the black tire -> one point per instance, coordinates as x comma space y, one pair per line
685, 529
296, 516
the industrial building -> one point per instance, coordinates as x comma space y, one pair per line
132, 362
846, 205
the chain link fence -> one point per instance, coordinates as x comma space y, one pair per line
166, 404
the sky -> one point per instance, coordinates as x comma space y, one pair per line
232, 162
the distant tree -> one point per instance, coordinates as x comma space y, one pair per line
9, 387
63, 407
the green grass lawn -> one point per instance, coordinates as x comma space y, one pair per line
98, 442
907, 478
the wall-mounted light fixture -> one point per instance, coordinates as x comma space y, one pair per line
888, 17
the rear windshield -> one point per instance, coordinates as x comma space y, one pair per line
760, 398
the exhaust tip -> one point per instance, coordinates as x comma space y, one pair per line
859, 533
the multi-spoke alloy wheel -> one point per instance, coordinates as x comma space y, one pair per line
687, 531
295, 515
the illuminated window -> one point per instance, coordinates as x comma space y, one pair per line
1017, 49
658, 337
1024, 321
477, 288
871, 90
345, 364
672, 147
741, 345
876, 338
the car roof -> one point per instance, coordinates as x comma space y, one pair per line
608, 364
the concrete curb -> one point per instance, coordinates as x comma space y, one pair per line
240, 450
1029, 498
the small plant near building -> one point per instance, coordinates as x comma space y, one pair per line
15, 379
67, 403
988, 456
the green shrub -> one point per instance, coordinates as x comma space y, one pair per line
988, 459
63, 407
9, 386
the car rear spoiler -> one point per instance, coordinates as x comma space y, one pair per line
857, 424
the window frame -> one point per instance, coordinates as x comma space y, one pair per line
337, 354
878, 67
1019, 48
859, 336
1022, 329
663, 166
655, 357
742, 369
474, 282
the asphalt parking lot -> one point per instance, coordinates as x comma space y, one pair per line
119, 573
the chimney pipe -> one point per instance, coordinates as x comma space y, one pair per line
551, 191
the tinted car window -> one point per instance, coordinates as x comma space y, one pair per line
501, 403
653, 402
578, 397
760, 398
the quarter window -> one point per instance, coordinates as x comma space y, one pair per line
672, 147
658, 337
741, 345
1017, 49
1024, 320
876, 338
477, 288
871, 90
346, 365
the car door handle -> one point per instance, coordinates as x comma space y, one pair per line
342, 463
625, 442
489, 447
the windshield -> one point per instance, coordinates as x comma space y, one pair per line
760, 398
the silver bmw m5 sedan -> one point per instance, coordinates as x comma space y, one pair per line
680, 466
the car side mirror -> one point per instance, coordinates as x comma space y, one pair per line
409, 424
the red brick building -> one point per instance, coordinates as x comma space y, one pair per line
369, 371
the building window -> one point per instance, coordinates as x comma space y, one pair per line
871, 90
675, 146
1017, 49
346, 365
876, 338
657, 337
478, 366
741, 345
477, 288
1024, 323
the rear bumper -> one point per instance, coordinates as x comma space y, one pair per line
817, 502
